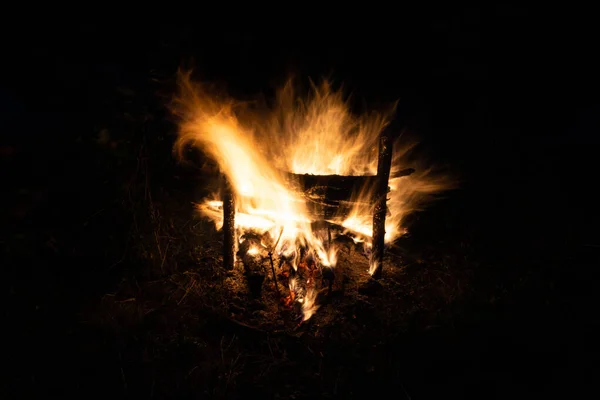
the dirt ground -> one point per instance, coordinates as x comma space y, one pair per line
132, 299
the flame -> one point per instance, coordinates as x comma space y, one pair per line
293, 285
309, 305
253, 251
255, 147
320, 136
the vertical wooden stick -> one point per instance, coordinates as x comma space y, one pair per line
384, 165
273, 265
228, 224
274, 274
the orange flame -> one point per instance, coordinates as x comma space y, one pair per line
315, 136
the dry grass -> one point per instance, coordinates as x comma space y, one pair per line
173, 323
184, 324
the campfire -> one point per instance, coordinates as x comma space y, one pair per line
299, 177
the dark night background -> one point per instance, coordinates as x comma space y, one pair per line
505, 96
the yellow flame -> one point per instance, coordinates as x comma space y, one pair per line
253, 251
319, 135
293, 285
309, 305
373, 266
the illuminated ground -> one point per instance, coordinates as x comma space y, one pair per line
458, 303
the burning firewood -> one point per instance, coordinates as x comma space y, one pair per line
342, 182
335, 190
329, 156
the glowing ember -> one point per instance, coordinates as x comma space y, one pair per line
294, 288
253, 251
318, 136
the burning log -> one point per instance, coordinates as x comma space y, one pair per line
332, 195
384, 164
228, 224
337, 188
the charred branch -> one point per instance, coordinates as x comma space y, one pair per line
333, 195
273, 265
228, 224
384, 164
336, 188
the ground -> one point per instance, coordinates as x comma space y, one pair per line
471, 301
114, 285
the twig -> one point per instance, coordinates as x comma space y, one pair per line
272, 265
158, 244
126, 300
122, 372
164, 257
221, 346
279, 238
270, 349
405, 392
87, 220
337, 380
192, 370
274, 277
187, 291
